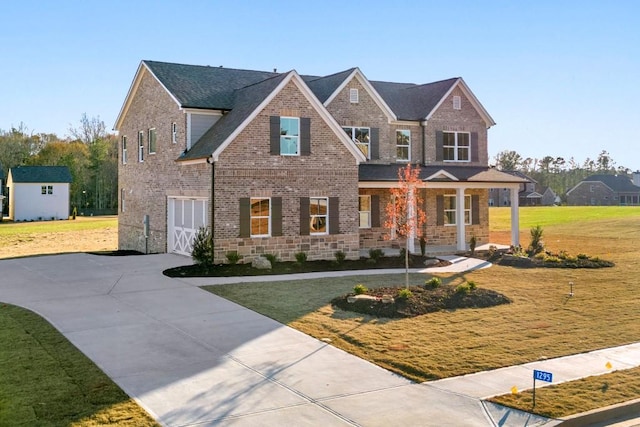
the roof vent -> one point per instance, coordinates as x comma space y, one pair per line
275, 70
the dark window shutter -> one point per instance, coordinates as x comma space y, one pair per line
439, 146
274, 134
245, 217
304, 216
375, 211
474, 147
475, 209
374, 144
334, 215
440, 210
276, 216
305, 136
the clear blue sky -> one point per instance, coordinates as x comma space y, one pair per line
560, 78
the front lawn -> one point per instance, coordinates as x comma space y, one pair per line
46, 381
543, 321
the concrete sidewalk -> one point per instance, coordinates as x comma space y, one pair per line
192, 358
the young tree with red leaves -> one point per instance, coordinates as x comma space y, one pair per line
405, 215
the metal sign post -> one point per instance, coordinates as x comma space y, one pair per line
542, 376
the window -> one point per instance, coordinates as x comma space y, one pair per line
260, 217
46, 189
353, 96
360, 136
364, 207
455, 146
457, 103
318, 215
152, 140
49, 189
43, 189
450, 209
122, 193
124, 150
141, 146
403, 145
174, 133
289, 136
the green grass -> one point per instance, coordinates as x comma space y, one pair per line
8, 229
46, 381
542, 321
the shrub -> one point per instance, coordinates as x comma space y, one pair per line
405, 293
233, 257
301, 257
202, 252
472, 244
463, 289
423, 245
360, 289
582, 256
536, 246
472, 285
340, 257
433, 283
273, 258
376, 254
403, 253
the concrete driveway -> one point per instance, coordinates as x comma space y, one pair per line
192, 358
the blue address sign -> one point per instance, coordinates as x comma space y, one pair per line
543, 376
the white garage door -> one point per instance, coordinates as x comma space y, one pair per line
185, 217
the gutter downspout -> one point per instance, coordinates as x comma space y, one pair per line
423, 125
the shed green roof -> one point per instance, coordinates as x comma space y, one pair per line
35, 174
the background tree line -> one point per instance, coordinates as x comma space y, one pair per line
558, 173
90, 153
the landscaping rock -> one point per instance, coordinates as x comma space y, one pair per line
353, 298
261, 263
431, 262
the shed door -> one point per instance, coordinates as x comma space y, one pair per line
185, 217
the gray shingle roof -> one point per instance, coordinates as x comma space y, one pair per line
323, 87
378, 172
618, 183
413, 102
245, 101
196, 86
36, 174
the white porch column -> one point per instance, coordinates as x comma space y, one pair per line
462, 243
515, 219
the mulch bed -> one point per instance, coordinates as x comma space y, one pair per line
422, 301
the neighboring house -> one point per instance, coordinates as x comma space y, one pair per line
527, 194
281, 163
605, 190
549, 197
38, 192
2, 196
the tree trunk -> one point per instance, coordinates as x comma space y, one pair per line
406, 264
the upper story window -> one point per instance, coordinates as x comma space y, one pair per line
124, 150
361, 137
141, 146
354, 97
455, 146
152, 140
403, 145
260, 217
289, 136
318, 214
174, 133
450, 209
364, 207
457, 103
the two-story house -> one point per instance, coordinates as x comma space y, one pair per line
282, 163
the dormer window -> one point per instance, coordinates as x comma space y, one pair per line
457, 103
353, 96
360, 136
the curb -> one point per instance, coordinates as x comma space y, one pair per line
608, 413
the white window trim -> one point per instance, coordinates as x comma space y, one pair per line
456, 147
368, 224
141, 146
325, 216
457, 102
251, 217
122, 204
352, 135
149, 140
174, 133
408, 146
124, 149
454, 210
297, 153
354, 96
